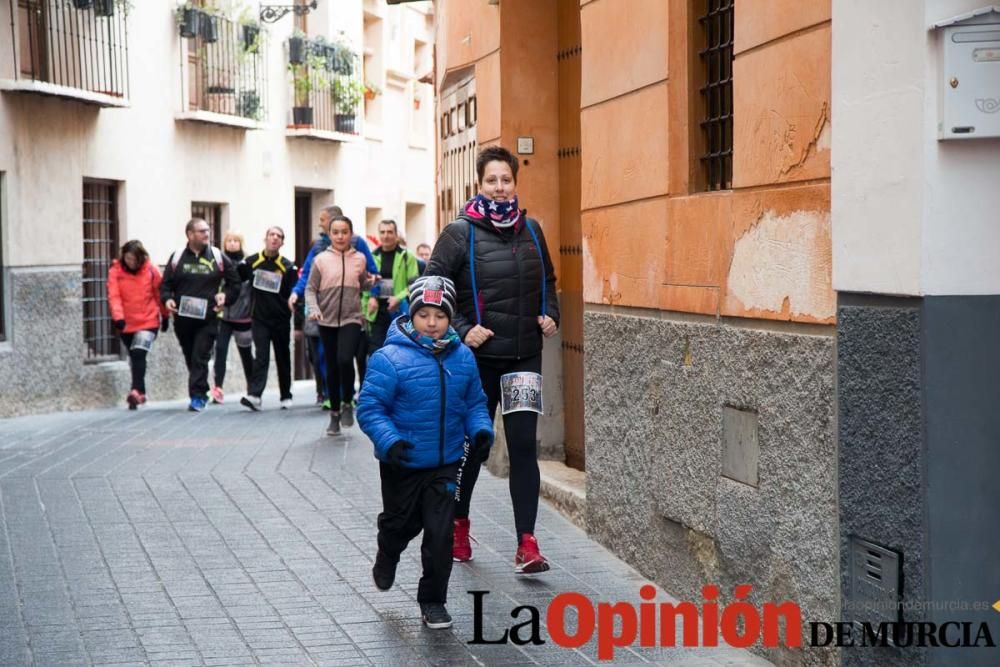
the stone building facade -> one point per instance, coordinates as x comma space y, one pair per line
714, 346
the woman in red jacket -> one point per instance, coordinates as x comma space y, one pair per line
136, 309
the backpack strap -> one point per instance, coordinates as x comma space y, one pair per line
175, 258
219, 262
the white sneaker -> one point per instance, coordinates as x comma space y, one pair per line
252, 402
286, 403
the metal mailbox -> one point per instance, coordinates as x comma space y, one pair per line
969, 102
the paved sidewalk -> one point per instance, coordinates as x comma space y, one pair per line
234, 538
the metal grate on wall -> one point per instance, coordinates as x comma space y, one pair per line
100, 247
211, 213
717, 94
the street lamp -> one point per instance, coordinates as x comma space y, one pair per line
273, 13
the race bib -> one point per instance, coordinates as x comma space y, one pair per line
142, 340
385, 288
521, 392
193, 307
267, 281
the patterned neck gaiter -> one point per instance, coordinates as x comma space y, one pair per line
502, 214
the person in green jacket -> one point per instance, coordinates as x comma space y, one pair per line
397, 268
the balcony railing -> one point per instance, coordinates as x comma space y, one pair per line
227, 72
325, 86
80, 44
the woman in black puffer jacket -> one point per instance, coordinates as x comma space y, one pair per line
507, 302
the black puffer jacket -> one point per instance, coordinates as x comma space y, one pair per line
509, 279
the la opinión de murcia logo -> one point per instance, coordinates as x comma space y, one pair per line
988, 104
739, 624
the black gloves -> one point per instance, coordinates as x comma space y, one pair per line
480, 449
119, 324
399, 454
164, 324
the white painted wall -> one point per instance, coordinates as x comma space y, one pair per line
911, 215
48, 145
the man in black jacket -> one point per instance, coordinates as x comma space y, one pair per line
273, 278
197, 283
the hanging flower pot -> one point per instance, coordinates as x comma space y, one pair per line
209, 28
296, 50
104, 7
191, 23
83, 4
342, 62
250, 33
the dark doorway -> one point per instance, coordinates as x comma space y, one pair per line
304, 226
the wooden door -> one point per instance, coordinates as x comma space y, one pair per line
568, 58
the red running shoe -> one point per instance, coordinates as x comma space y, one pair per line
529, 560
134, 399
461, 550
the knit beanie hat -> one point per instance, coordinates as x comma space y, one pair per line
436, 291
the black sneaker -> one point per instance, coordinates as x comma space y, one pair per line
334, 427
384, 572
347, 415
435, 616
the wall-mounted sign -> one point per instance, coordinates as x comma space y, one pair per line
525, 145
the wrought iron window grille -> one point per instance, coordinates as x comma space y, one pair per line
326, 86
81, 44
717, 94
227, 70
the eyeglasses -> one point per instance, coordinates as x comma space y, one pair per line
202, 231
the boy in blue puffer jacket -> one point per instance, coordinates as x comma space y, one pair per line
422, 399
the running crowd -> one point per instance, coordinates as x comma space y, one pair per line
439, 340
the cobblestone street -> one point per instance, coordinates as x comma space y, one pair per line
233, 538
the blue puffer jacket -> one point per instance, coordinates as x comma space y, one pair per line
431, 401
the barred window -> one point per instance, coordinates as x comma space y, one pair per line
211, 213
717, 94
100, 247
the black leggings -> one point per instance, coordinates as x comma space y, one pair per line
522, 447
361, 356
137, 361
226, 330
339, 346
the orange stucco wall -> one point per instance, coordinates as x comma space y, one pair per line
651, 239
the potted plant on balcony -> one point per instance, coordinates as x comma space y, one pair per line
347, 93
251, 31
248, 105
343, 62
189, 20
297, 48
371, 91
302, 83
209, 28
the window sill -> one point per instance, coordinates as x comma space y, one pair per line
213, 118
322, 135
103, 100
